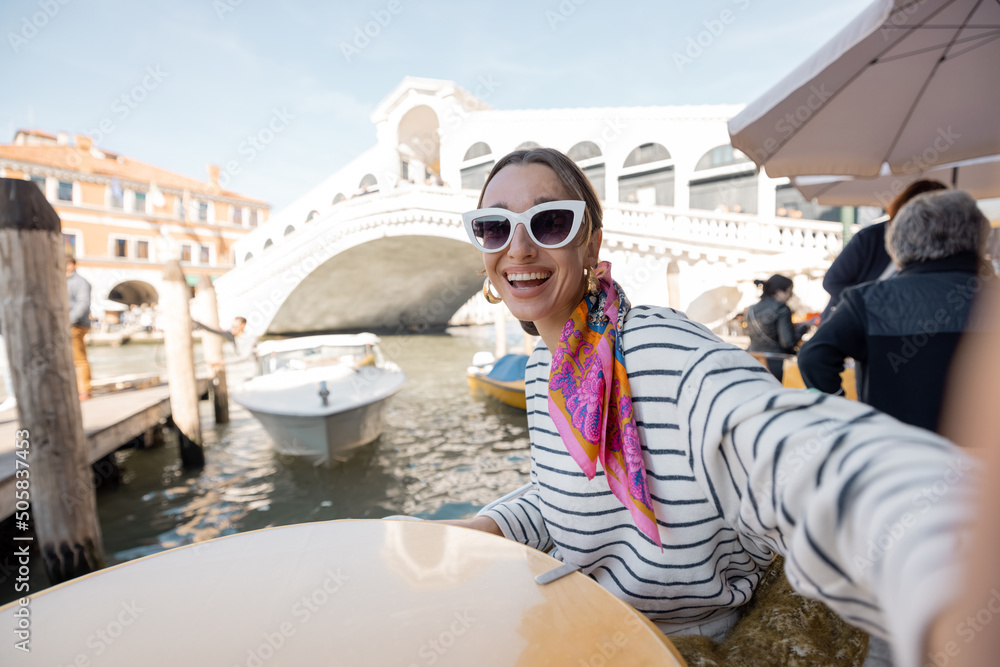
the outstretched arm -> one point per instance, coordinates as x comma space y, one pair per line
865, 509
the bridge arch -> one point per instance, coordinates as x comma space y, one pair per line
419, 145
134, 293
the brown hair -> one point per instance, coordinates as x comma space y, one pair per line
910, 191
70, 259
571, 176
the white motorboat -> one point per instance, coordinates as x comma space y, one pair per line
321, 397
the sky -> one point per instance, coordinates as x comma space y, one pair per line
182, 84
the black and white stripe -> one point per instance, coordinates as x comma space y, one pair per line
830, 477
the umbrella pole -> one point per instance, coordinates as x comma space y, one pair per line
954, 178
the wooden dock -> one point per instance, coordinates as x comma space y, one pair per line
109, 421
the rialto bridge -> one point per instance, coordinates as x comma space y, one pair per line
400, 260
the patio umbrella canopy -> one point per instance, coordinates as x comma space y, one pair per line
979, 177
910, 83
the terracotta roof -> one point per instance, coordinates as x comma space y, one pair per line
39, 133
74, 159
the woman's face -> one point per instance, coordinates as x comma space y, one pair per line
548, 299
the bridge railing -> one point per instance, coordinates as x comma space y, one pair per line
655, 223
725, 230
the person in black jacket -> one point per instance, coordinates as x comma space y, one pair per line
902, 332
864, 258
769, 323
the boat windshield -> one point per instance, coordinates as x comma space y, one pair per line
355, 356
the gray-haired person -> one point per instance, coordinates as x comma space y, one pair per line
902, 332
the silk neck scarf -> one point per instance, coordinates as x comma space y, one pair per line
591, 403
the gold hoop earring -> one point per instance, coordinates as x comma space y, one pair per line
593, 285
488, 294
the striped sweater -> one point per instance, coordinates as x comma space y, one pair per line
863, 507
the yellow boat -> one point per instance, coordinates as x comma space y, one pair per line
502, 379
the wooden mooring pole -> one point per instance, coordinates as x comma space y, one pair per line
174, 299
50, 446
211, 347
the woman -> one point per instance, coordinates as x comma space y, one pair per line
707, 466
769, 323
902, 333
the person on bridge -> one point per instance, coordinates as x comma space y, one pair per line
671, 467
769, 323
902, 333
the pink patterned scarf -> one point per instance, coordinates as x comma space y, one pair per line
591, 403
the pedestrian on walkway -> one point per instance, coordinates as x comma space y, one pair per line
79, 321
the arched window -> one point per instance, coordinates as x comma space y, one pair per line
339, 198
478, 149
647, 176
312, 215
527, 146
289, 229
729, 187
588, 157
368, 184
645, 154
268, 243
720, 156
585, 150
477, 165
248, 257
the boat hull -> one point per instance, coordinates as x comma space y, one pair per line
509, 393
327, 438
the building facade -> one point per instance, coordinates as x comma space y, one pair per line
123, 219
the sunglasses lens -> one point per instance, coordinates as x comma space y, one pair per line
491, 231
553, 226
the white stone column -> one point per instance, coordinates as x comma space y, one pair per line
766, 195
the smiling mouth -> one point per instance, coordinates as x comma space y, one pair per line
526, 280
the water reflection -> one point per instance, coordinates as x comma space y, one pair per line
444, 454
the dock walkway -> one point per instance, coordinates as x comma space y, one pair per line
109, 421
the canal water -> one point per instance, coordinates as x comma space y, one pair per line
444, 454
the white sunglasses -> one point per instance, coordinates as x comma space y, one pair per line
550, 225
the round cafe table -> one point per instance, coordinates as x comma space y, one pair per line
387, 592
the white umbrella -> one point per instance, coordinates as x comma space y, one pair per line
909, 83
979, 177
